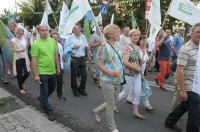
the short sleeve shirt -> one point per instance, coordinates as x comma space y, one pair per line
45, 51
177, 42
187, 57
165, 50
94, 38
134, 58
103, 54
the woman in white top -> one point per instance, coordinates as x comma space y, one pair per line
144, 58
21, 64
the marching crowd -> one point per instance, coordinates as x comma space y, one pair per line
121, 59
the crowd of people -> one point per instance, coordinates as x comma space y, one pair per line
121, 60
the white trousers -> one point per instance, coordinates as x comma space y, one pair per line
132, 89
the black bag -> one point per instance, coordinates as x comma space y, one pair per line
173, 65
124, 82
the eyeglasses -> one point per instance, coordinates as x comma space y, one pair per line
135, 35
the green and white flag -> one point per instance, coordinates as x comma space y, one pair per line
48, 8
134, 23
112, 19
78, 10
154, 31
184, 10
154, 13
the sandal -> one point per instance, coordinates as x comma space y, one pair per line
95, 80
150, 108
141, 117
22, 91
96, 116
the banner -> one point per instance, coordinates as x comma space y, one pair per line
48, 8
77, 12
196, 80
87, 29
63, 19
184, 10
154, 13
153, 32
147, 8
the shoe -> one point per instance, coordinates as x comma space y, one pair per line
96, 116
5, 82
12, 76
128, 102
162, 88
116, 110
99, 87
156, 81
51, 116
173, 127
149, 108
1, 78
95, 80
83, 93
8, 72
77, 94
141, 117
61, 98
22, 91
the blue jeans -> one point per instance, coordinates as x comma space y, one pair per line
192, 105
47, 87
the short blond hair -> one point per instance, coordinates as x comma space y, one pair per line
19, 30
133, 31
109, 29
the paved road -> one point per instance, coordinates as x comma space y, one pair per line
75, 112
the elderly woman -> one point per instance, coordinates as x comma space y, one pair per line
111, 76
21, 64
132, 88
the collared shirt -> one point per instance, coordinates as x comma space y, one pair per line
82, 41
177, 42
187, 57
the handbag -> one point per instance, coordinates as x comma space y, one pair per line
124, 80
146, 90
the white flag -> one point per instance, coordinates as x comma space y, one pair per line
99, 19
44, 19
63, 18
112, 19
153, 32
155, 14
184, 10
196, 80
78, 10
34, 28
48, 8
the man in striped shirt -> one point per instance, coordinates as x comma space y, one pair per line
186, 64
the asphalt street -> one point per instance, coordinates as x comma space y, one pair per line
76, 114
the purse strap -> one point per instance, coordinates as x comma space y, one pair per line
20, 44
116, 52
135, 51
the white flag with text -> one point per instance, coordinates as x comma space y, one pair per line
63, 18
184, 10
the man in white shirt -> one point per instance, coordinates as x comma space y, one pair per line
78, 60
125, 38
56, 37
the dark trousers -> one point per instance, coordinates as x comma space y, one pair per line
156, 61
78, 64
47, 87
59, 83
192, 105
21, 68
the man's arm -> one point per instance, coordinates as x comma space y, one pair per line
35, 70
57, 64
161, 42
180, 78
173, 49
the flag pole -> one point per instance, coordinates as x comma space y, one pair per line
104, 42
55, 19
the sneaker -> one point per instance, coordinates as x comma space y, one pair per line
116, 110
8, 72
22, 91
173, 127
61, 98
96, 116
116, 130
51, 116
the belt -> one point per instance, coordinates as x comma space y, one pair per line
82, 57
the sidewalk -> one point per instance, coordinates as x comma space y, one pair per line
16, 116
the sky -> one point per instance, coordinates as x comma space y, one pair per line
7, 4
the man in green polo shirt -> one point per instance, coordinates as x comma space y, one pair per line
45, 65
